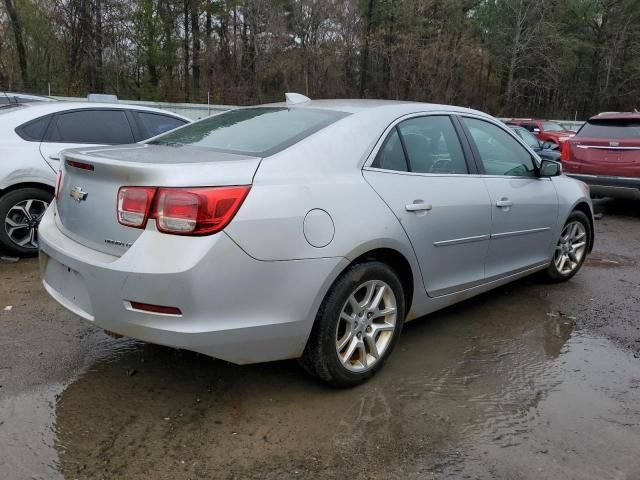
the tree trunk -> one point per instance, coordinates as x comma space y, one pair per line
98, 83
185, 45
195, 33
17, 33
364, 70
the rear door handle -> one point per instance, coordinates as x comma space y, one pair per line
418, 206
504, 202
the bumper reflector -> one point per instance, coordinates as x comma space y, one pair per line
146, 307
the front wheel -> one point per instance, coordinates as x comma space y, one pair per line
357, 325
571, 249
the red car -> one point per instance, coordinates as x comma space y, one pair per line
605, 153
544, 130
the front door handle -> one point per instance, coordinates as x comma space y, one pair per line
504, 202
418, 206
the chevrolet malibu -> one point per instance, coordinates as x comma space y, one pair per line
307, 229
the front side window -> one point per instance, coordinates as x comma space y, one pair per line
99, 127
500, 153
259, 131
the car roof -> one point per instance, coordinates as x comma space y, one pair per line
26, 96
32, 110
617, 116
396, 107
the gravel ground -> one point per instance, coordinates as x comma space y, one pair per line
529, 381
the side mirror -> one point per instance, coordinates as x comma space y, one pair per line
549, 168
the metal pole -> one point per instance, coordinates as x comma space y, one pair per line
208, 103
49, 85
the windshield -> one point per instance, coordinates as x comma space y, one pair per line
552, 127
528, 138
618, 129
260, 131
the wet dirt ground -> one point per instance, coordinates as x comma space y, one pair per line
529, 381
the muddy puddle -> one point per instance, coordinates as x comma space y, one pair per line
503, 386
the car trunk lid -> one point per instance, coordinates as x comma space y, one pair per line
87, 196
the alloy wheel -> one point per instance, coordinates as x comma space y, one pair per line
571, 248
22, 220
366, 325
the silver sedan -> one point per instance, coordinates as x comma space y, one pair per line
307, 229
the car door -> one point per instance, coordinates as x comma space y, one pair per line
82, 128
422, 172
524, 205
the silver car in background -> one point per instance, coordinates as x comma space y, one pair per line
307, 229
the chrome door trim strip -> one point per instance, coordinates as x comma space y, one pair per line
467, 287
459, 241
605, 147
519, 232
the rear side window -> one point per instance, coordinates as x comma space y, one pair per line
34, 130
109, 127
391, 156
432, 145
618, 129
252, 131
155, 123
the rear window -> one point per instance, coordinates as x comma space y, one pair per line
252, 131
618, 129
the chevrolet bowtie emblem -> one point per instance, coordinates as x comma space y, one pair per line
78, 194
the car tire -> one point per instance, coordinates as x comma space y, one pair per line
573, 245
365, 308
24, 206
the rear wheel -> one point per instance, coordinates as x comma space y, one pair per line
571, 249
357, 325
20, 214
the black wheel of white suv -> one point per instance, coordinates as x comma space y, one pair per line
571, 249
357, 325
20, 214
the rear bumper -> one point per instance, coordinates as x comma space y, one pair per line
611, 186
233, 307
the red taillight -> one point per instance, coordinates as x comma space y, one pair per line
196, 211
147, 307
134, 204
58, 182
180, 211
564, 153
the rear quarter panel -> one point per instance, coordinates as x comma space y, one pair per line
20, 162
322, 172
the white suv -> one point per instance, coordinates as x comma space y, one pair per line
31, 137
